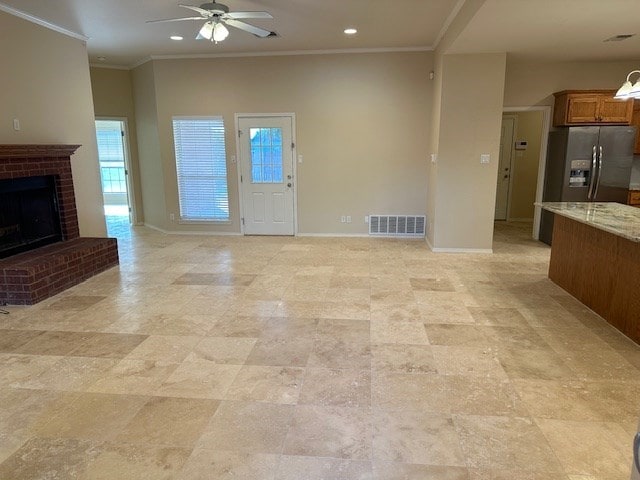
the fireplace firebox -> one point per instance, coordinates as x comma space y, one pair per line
28, 214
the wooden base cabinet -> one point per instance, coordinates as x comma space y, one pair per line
601, 270
591, 107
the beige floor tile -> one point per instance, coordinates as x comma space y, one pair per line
267, 384
404, 471
403, 359
228, 326
142, 462
589, 448
169, 421
108, 345
331, 351
199, 379
54, 343
248, 427
50, 458
505, 317
223, 350
349, 311
70, 374
507, 443
416, 437
206, 464
468, 361
405, 333
402, 391
165, 348
500, 474
339, 432
316, 468
401, 312
93, 416
16, 369
437, 284
347, 388
534, 364
283, 351
456, 335
141, 377
10, 340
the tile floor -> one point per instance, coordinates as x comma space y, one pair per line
298, 358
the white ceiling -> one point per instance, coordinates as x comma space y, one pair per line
540, 29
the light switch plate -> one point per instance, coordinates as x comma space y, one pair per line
485, 158
434, 157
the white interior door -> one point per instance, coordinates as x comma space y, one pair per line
266, 169
504, 167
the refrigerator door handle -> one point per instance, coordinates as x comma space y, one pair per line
595, 193
593, 173
636, 451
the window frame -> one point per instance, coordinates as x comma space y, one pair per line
207, 221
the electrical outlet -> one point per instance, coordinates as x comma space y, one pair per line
16, 124
366, 219
348, 218
343, 219
485, 158
172, 217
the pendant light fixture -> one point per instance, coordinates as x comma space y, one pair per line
628, 89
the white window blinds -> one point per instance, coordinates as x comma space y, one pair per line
201, 164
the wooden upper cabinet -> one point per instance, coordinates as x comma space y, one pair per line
635, 120
591, 107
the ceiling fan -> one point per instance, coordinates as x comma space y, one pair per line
216, 16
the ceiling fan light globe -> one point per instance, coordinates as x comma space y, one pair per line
624, 90
635, 90
220, 32
207, 30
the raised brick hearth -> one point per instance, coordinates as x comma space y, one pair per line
32, 276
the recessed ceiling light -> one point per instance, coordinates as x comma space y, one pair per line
102, 59
350, 31
176, 37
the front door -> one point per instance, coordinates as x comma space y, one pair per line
266, 170
504, 168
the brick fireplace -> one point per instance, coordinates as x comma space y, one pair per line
66, 259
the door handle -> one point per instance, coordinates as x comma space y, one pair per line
595, 193
593, 173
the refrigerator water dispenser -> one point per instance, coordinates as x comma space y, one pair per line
580, 173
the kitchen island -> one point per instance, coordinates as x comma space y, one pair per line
595, 256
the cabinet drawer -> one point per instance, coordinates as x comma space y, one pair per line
634, 197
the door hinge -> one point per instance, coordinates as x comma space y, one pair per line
239, 132
240, 178
242, 221
293, 145
126, 172
122, 133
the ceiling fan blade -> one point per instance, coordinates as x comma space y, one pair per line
236, 15
174, 20
257, 31
201, 11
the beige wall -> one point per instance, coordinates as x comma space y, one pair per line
525, 165
45, 83
361, 123
113, 97
533, 83
470, 121
151, 167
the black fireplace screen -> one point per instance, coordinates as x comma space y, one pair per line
28, 214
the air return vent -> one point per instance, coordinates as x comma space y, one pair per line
397, 225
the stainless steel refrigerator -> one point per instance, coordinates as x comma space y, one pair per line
587, 164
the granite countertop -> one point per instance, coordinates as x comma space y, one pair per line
621, 220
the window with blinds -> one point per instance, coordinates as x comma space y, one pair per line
201, 164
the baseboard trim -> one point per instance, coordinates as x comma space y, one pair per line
205, 234
462, 250
519, 219
357, 235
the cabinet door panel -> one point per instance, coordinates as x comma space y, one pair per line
615, 111
582, 109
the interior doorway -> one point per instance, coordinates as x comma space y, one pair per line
113, 155
524, 157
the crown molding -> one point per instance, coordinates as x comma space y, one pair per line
289, 53
107, 66
43, 23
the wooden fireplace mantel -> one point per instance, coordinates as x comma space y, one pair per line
37, 151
